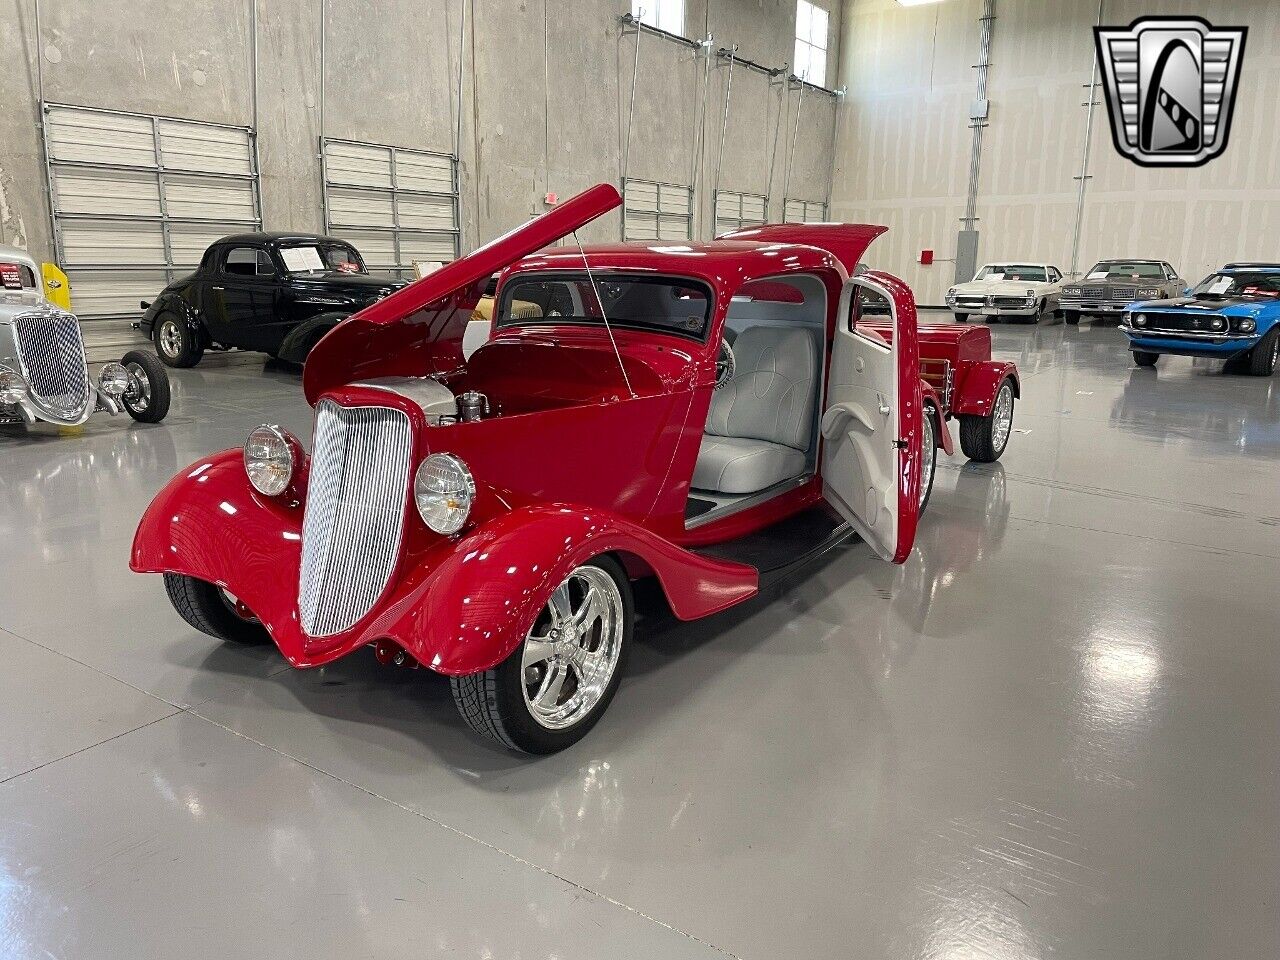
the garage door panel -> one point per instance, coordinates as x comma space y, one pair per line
107, 192
351, 208
205, 148
394, 204
114, 293
87, 136
115, 243
426, 246
426, 213
424, 172
657, 211
116, 199
204, 199
357, 165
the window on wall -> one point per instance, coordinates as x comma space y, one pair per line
804, 211
811, 43
736, 211
666, 15
657, 211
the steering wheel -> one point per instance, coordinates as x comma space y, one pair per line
726, 364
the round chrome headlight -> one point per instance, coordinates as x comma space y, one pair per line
13, 389
268, 459
1140, 320
114, 380
1246, 326
1218, 323
444, 490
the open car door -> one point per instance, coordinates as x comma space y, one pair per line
871, 419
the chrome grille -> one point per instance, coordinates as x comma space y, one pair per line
355, 511
52, 355
1122, 293
1095, 293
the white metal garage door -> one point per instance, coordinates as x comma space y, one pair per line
734, 211
804, 211
657, 211
395, 205
137, 198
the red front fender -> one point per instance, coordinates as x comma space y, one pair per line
977, 392
461, 607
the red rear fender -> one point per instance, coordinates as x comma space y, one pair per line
976, 392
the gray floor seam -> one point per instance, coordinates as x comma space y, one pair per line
91, 746
89, 666
467, 836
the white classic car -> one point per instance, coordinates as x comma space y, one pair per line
44, 375
1023, 290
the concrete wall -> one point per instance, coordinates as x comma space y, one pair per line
544, 106
902, 155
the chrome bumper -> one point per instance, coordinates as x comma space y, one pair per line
1209, 336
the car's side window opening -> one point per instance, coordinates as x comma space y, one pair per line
248, 262
761, 434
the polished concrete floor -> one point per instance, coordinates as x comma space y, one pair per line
1053, 732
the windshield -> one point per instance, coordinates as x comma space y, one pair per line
669, 305
327, 257
1012, 271
1126, 270
1231, 286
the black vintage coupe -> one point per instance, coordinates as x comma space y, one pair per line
274, 292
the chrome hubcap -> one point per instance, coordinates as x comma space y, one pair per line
1002, 417
138, 396
572, 651
927, 456
170, 338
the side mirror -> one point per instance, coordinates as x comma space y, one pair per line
1186, 291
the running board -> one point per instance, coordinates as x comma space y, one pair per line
780, 549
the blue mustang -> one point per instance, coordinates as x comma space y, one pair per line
1234, 313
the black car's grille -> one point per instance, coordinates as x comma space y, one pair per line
1122, 293
1094, 293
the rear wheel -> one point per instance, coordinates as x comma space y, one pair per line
928, 456
176, 343
1263, 357
212, 610
1071, 318
147, 399
1144, 358
984, 438
557, 684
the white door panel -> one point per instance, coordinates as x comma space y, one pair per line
860, 430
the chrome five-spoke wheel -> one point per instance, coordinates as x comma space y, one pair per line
553, 688
570, 655
928, 456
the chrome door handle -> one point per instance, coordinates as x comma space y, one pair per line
884, 407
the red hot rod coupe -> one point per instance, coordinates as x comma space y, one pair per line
707, 415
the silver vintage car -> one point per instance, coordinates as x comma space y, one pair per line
43, 371
1111, 285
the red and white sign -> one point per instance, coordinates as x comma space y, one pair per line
10, 276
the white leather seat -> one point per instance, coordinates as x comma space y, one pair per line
760, 422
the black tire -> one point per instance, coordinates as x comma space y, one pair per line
977, 433
206, 608
1263, 357
175, 342
151, 404
931, 438
962, 318
1144, 358
493, 702
1071, 318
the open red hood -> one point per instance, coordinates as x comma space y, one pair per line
417, 331
847, 242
